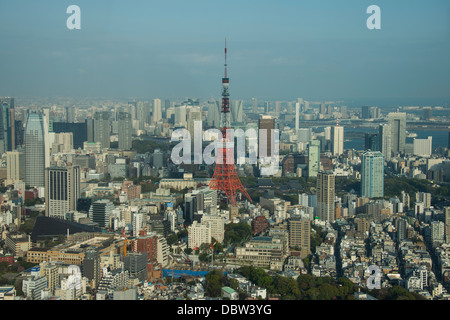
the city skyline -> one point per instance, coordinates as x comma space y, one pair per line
277, 51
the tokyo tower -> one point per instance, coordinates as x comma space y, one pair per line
225, 178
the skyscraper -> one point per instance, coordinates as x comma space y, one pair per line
337, 140
102, 128
34, 150
125, 130
15, 166
397, 121
254, 105
372, 142
385, 144
213, 114
265, 123
325, 191
297, 116
372, 175
313, 158
157, 113
62, 190
7, 135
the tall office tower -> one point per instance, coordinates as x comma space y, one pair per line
70, 114
337, 140
385, 144
166, 106
237, 111
7, 124
35, 150
62, 190
89, 129
277, 107
157, 112
102, 128
15, 166
327, 133
325, 191
371, 142
6, 134
372, 175
213, 113
143, 113
100, 211
133, 109
194, 114
125, 130
297, 117
397, 121
266, 123
180, 116
254, 105
313, 158
423, 147
266, 110
427, 113
300, 235
447, 224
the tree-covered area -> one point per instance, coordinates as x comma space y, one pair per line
144, 146
305, 287
236, 233
309, 287
394, 186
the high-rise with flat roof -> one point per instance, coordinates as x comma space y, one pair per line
102, 128
35, 150
125, 130
372, 175
337, 140
325, 190
62, 190
397, 121
299, 235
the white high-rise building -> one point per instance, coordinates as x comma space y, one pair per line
297, 116
217, 225
198, 233
237, 110
423, 147
384, 134
157, 113
337, 140
180, 116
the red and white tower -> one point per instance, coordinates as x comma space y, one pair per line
225, 178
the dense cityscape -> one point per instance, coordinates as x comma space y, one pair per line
93, 207
304, 158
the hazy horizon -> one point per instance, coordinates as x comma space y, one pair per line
276, 50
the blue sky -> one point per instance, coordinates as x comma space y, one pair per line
278, 50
